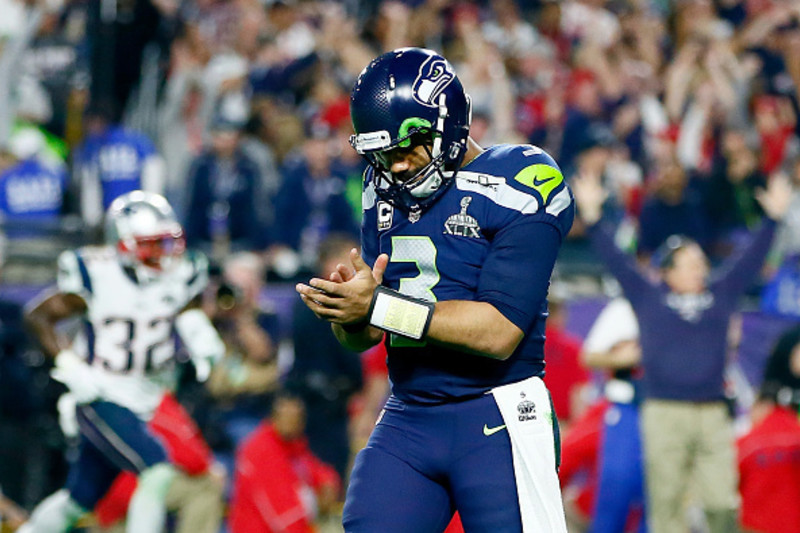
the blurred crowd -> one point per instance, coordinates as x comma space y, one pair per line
237, 111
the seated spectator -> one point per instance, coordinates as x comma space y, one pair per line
787, 238
113, 160
769, 454
311, 202
242, 383
673, 207
31, 191
732, 205
279, 485
33, 113
33, 195
325, 375
223, 211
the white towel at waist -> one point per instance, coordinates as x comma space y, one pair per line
528, 415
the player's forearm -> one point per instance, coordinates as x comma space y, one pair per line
474, 327
44, 331
49, 342
358, 340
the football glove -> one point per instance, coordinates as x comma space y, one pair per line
73, 372
201, 340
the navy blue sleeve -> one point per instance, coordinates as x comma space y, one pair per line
740, 270
516, 274
621, 265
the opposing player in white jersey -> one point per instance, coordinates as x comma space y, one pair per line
133, 296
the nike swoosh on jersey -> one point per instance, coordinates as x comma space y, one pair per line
550, 180
537, 182
491, 431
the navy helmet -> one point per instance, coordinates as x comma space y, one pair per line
404, 98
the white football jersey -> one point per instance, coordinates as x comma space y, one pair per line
128, 335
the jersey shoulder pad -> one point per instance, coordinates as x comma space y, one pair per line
368, 195
195, 267
73, 270
368, 176
523, 178
530, 169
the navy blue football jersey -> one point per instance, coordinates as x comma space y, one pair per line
492, 236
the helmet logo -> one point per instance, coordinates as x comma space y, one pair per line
433, 77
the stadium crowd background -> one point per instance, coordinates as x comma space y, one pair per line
237, 110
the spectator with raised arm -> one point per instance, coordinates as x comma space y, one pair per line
683, 319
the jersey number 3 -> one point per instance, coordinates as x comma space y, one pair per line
422, 252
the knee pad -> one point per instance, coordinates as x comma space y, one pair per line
156, 480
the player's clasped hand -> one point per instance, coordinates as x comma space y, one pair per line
345, 298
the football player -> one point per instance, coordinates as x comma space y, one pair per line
132, 295
463, 241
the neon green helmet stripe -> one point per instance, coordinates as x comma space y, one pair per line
407, 125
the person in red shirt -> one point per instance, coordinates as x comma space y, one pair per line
769, 470
578, 473
769, 454
279, 486
565, 375
366, 406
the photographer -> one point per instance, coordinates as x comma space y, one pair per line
241, 385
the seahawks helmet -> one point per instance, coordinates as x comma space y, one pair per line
404, 98
143, 229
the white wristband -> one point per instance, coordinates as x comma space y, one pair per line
400, 314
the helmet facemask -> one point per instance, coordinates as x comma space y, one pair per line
155, 252
420, 190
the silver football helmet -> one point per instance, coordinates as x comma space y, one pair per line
144, 230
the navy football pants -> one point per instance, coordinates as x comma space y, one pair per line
424, 462
112, 439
